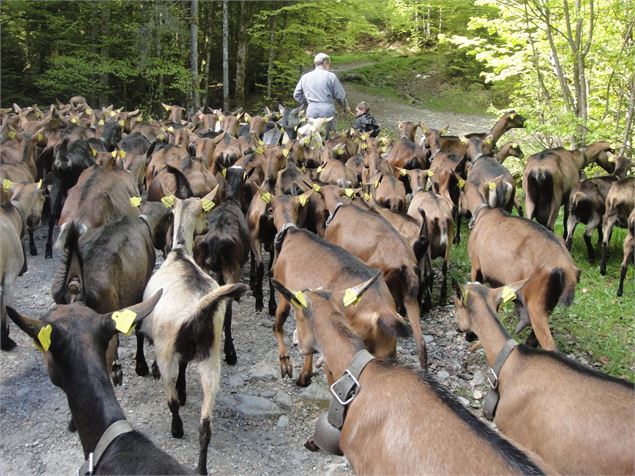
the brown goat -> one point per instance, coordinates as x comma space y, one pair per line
400, 421
578, 420
620, 202
586, 205
551, 175
505, 249
629, 245
372, 239
374, 318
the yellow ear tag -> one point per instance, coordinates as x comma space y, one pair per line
364, 136
7, 184
303, 169
74, 120
508, 294
430, 173
466, 295
611, 159
170, 129
285, 153
122, 122
260, 150
338, 150
88, 111
101, 122
207, 205
113, 154
221, 117
303, 199
363, 146
299, 300
316, 187
376, 183
461, 183
350, 297
402, 172
135, 201
93, 152
168, 201
492, 186
383, 149
161, 137
113, 113
512, 116
514, 145
463, 139
39, 185
349, 192
224, 172
122, 154
266, 197
124, 320
44, 337
367, 196
39, 137
319, 169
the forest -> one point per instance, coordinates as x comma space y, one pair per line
568, 65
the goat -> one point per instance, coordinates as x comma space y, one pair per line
390, 193
586, 205
620, 202
629, 245
528, 250
187, 322
373, 318
400, 420
445, 173
551, 175
510, 149
74, 354
539, 390
382, 247
28, 199
225, 247
494, 181
405, 153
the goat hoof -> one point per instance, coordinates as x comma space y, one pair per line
142, 369
619, 293
8, 344
71, 426
177, 431
259, 306
156, 373
201, 470
310, 445
304, 380
33, 251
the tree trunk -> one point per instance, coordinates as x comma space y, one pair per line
225, 56
627, 141
272, 24
241, 56
159, 24
105, 54
194, 55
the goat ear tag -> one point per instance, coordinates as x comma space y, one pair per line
124, 320
299, 299
320, 168
122, 122
462, 183
88, 111
122, 154
101, 122
7, 184
207, 205
39, 185
168, 201
611, 159
135, 201
39, 137
113, 154
376, 183
402, 172
44, 337
430, 173
316, 187
285, 153
265, 197
349, 192
350, 297
74, 120
367, 196
492, 186
303, 199
508, 294
93, 152
466, 296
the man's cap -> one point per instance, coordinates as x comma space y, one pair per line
321, 58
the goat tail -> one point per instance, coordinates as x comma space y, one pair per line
561, 287
540, 191
208, 305
58, 288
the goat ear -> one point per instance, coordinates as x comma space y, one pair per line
457, 289
183, 188
124, 319
352, 295
509, 292
211, 195
297, 298
31, 326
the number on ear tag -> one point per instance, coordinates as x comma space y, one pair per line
350, 297
168, 201
508, 294
135, 201
299, 300
207, 205
124, 320
44, 337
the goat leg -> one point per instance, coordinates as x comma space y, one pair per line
180, 384
6, 343
230, 351
24, 263
282, 312
444, 283
204, 436
628, 258
141, 366
32, 248
177, 423
304, 379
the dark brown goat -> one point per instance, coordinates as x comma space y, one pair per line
401, 421
539, 390
629, 249
551, 175
75, 363
586, 205
620, 202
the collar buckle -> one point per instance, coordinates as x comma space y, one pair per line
352, 390
492, 378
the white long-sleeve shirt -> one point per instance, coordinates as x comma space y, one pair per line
320, 89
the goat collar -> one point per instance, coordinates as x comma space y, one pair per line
344, 390
491, 399
476, 214
332, 215
113, 432
279, 238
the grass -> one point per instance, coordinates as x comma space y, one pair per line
598, 326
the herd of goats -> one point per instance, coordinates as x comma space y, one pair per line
352, 225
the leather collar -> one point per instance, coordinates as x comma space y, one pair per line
344, 390
279, 238
113, 432
476, 214
491, 399
332, 215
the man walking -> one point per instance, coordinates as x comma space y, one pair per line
320, 89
